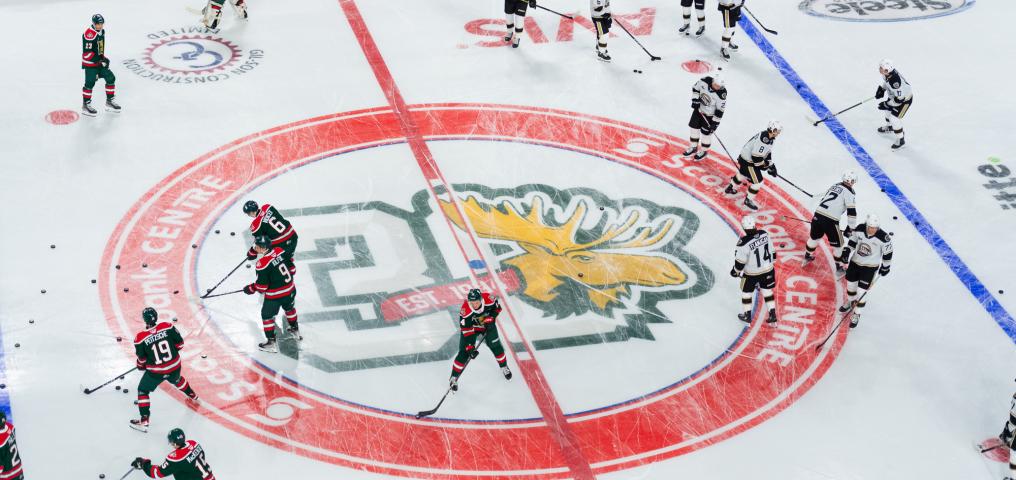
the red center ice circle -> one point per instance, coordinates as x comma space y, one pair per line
767, 370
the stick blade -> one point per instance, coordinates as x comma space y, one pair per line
425, 413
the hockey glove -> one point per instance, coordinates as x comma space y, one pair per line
252, 254
847, 231
771, 170
608, 22
142, 463
884, 105
532, 3
104, 61
695, 104
249, 289
884, 270
141, 364
879, 92
734, 272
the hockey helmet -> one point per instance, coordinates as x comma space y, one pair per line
177, 438
250, 206
748, 223
850, 177
719, 80
886, 66
872, 221
262, 241
775, 126
474, 295
150, 316
98, 20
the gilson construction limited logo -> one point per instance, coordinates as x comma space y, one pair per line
883, 10
192, 55
600, 239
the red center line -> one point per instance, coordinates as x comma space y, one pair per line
537, 382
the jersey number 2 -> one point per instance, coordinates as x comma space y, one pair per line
832, 196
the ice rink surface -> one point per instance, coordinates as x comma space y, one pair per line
416, 155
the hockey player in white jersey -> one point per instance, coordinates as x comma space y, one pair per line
895, 98
756, 156
754, 264
600, 11
836, 201
700, 12
708, 101
731, 11
1008, 438
213, 11
872, 250
515, 19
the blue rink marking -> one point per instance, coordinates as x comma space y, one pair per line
909, 210
5, 398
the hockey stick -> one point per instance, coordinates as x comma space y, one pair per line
988, 449
652, 57
722, 145
231, 272
815, 123
847, 315
763, 27
795, 218
569, 17
781, 177
128, 473
89, 391
427, 413
222, 294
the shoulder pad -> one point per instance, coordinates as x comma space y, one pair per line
487, 299
256, 223
264, 261
465, 311
90, 34
141, 336
181, 453
743, 240
883, 236
722, 93
163, 326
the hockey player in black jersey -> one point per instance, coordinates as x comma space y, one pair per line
269, 222
275, 281
185, 462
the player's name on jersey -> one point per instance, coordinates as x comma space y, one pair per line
883, 10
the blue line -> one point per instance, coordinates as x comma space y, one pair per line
909, 210
5, 398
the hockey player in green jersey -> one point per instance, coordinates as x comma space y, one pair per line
10, 460
95, 64
477, 319
158, 351
185, 462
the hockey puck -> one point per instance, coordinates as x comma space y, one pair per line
93, 280
3, 385
581, 275
126, 289
144, 265
174, 319
248, 265
634, 71
52, 246
175, 292
204, 356
119, 339
194, 245
44, 290
232, 234
118, 267
102, 475
118, 387
216, 232
895, 217
601, 209
17, 345
1001, 292
125, 390
31, 320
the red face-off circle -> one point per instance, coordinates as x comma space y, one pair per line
62, 117
764, 372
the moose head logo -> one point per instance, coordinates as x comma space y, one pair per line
573, 258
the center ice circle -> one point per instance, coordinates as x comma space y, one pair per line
352, 355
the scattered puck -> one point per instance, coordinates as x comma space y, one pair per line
3, 385
175, 292
144, 265
118, 387
126, 289
232, 234
118, 267
93, 280
52, 246
119, 339
44, 290
31, 320
1001, 292
601, 209
17, 345
895, 217
125, 390
882, 189
216, 232
204, 356
581, 275
634, 71
248, 265
102, 475
174, 319
194, 245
